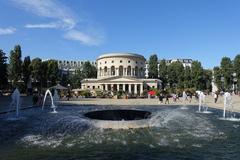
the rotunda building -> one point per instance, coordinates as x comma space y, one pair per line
121, 64
121, 72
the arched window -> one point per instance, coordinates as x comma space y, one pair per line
129, 70
100, 71
120, 70
141, 73
136, 71
113, 70
105, 71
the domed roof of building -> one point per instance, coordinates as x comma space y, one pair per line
120, 54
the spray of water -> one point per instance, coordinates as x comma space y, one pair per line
52, 103
16, 101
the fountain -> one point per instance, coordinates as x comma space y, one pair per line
119, 119
52, 106
55, 96
119, 132
227, 104
15, 101
184, 96
202, 107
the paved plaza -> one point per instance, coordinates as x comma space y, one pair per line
27, 102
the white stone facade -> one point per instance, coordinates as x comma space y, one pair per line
121, 72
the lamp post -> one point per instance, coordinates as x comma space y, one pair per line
68, 96
234, 81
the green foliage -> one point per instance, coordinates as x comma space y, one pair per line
153, 66
3, 69
163, 71
176, 75
236, 68
52, 71
188, 77
207, 80
15, 64
26, 70
197, 75
36, 66
217, 73
85, 93
88, 70
227, 71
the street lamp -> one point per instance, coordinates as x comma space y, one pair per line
68, 96
234, 81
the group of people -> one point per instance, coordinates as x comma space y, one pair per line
185, 97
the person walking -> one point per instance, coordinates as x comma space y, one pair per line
215, 97
160, 98
167, 99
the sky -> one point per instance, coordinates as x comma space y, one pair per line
204, 30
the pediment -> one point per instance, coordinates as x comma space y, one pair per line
122, 79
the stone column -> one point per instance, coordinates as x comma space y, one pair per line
130, 88
116, 72
135, 88
118, 87
141, 89
124, 89
112, 89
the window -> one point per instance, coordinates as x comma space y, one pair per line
100, 63
129, 61
136, 62
105, 62
93, 87
112, 61
120, 61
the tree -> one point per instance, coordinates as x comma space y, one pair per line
36, 66
89, 70
26, 70
227, 71
44, 72
217, 74
197, 75
236, 66
15, 64
3, 69
53, 72
176, 75
163, 72
153, 66
207, 80
188, 77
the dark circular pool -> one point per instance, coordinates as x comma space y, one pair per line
118, 115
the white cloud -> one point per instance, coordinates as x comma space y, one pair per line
63, 18
5, 31
42, 25
50, 9
84, 38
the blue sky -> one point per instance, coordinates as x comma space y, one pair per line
204, 30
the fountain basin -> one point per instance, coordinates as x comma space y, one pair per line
119, 119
